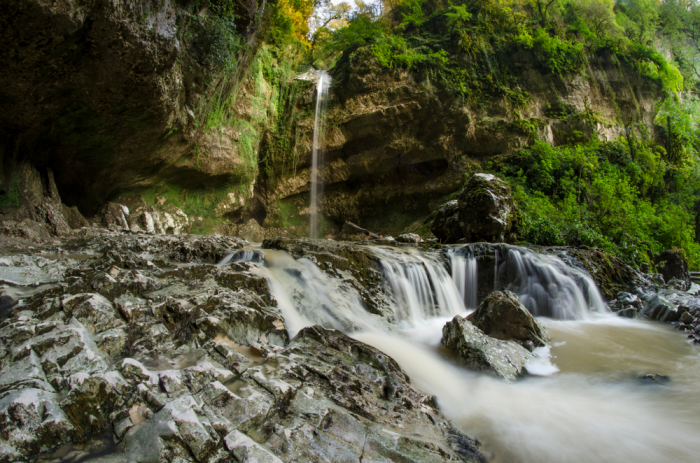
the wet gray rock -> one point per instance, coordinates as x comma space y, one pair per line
6, 304
654, 378
661, 308
476, 350
502, 316
446, 226
672, 264
486, 208
31, 421
169, 220
182, 360
74, 218
115, 216
627, 312
626, 305
687, 318
410, 238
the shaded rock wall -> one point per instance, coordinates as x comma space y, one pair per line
108, 94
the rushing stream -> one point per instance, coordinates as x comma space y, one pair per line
584, 401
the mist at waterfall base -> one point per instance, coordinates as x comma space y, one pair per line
583, 401
322, 86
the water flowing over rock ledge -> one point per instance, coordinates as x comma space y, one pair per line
205, 347
184, 360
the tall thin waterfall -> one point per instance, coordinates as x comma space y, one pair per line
324, 83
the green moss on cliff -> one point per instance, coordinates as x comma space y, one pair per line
10, 198
468, 46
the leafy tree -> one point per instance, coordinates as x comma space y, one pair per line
598, 16
328, 17
639, 19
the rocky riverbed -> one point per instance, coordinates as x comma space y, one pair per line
176, 348
178, 359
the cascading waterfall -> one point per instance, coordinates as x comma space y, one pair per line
421, 286
243, 255
591, 410
465, 277
547, 286
544, 283
308, 296
322, 87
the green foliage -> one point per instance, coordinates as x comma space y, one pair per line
639, 19
462, 45
560, 56
652, 64
626, 197
679, 122
215, 41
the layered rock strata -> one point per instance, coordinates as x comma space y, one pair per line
178, 359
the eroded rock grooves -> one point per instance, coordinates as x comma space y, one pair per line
182, 360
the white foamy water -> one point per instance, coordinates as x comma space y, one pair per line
593, 410
319, 140
544, 283
583, 402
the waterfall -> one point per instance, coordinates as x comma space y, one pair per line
544, 283
306, 295
592, 409
464, 276
322, 86
547, 286
421, 287
242, 255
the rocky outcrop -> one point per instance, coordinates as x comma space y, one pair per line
626, 305
446, 226
477, 351
409, 238
672, 264
611, 274
502, 316
168, 220
110, 95
30, 205
193, 362
396, 148
486, 209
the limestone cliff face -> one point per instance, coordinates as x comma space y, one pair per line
116, 97
111, 95
397, 145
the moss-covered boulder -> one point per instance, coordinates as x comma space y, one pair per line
486, 209
502, 316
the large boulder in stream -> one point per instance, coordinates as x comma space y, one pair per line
446, 225
502, 316
672, 264
486, 208
478, 351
